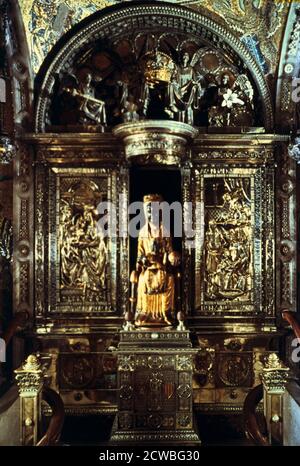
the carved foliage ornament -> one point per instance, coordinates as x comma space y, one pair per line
30, 377
274, 375
7, 150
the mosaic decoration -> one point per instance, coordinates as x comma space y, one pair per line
47, 20
259, 23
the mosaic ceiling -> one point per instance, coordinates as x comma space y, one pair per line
259, 23
47, 20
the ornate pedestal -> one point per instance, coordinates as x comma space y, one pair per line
155, 403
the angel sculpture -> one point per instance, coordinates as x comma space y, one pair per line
234, 102
90, 108
185, 90
127, 107
242, 115
244, 89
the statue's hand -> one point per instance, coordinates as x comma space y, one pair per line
142, 261
174, 258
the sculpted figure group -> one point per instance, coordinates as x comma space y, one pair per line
161, 89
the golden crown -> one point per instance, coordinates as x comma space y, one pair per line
152, 198
158, 67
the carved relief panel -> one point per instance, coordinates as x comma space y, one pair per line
234, 274
75, 258
83, 272
228, 245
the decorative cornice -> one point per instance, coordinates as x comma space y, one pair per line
156, 139
256, 156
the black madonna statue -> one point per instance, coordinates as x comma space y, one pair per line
155, 282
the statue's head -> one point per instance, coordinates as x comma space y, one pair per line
225, 79
185, 58
66, 209
152, 198
86, 78
87, 209
148, 200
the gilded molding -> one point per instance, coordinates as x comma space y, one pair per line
285, 231
254, 156
164, 141
23, 220
187, 196
40, 234
123, 183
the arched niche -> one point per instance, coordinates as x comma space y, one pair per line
148, 27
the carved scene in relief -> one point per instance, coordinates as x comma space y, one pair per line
228, 246
82, 247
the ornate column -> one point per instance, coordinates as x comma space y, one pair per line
286, 229
30, 382
274, 378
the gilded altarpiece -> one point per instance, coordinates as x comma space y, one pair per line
73, 280
227, 278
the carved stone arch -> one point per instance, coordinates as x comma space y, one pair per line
289, 69
117, 20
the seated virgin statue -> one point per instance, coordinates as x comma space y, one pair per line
154, 275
